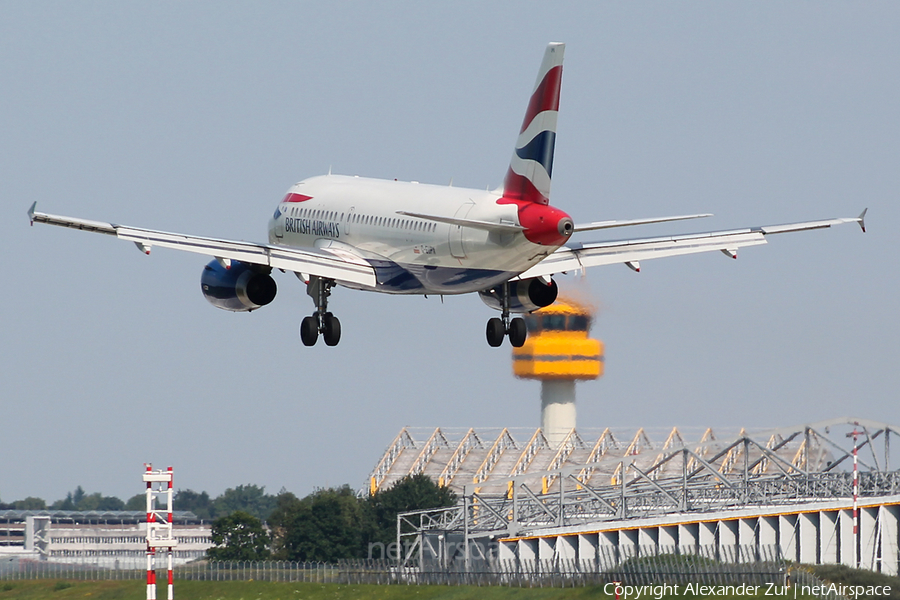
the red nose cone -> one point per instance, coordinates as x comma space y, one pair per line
543, 224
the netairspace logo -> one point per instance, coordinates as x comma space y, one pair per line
657, 592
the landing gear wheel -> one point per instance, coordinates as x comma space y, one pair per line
332, 333
517, 332
495, 332
309, 331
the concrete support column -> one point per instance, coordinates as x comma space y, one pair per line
567, 547
557, 409
890, 540
668, 537
728, 535
787, 536
847, 543
648, 537
547, 548
688, 537
528, 551
747, 539
587, 549
708, 534
828, 537
768, 531
868, 533
628, 543
507, 551
808, 528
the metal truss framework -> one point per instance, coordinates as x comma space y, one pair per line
748, 471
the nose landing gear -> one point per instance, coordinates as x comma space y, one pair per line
500, 327
321, 321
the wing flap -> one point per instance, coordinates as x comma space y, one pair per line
323, 264
580, 256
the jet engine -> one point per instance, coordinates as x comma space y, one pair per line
525, 295
241, 287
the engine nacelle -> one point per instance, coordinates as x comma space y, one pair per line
241, 288
525, 295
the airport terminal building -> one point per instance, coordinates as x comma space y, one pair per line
525, 499
103, 538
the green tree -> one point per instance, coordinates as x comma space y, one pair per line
327, 525
81, 500
137, 502
239, 536
98, 501
199, 504
66, 504
250, 499
29, 503
413, 492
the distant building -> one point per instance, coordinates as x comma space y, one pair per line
104, 538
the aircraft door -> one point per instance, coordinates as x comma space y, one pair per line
457, 248
349, 225
278, 225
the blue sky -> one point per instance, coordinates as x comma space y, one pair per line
196, 117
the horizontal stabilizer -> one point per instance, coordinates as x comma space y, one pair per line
630, 222
485, 225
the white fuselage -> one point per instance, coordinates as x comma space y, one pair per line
411, 255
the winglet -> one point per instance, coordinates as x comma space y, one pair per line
31, 213
862, 219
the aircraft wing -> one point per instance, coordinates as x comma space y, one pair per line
313, 262
576, 257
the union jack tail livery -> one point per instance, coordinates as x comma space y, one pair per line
531, 166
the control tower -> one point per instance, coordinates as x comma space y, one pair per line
558, 352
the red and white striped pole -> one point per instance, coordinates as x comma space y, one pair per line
171, 589
159, 528
151, 572
855, 433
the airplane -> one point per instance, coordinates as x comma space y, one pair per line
411, 238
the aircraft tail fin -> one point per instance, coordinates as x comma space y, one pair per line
528, 177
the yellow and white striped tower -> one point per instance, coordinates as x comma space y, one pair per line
558, 352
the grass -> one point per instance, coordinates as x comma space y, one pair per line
56, 589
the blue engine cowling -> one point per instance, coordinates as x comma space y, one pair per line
241, 288
525, 295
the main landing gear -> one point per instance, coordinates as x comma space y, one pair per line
500, 327
321, 321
